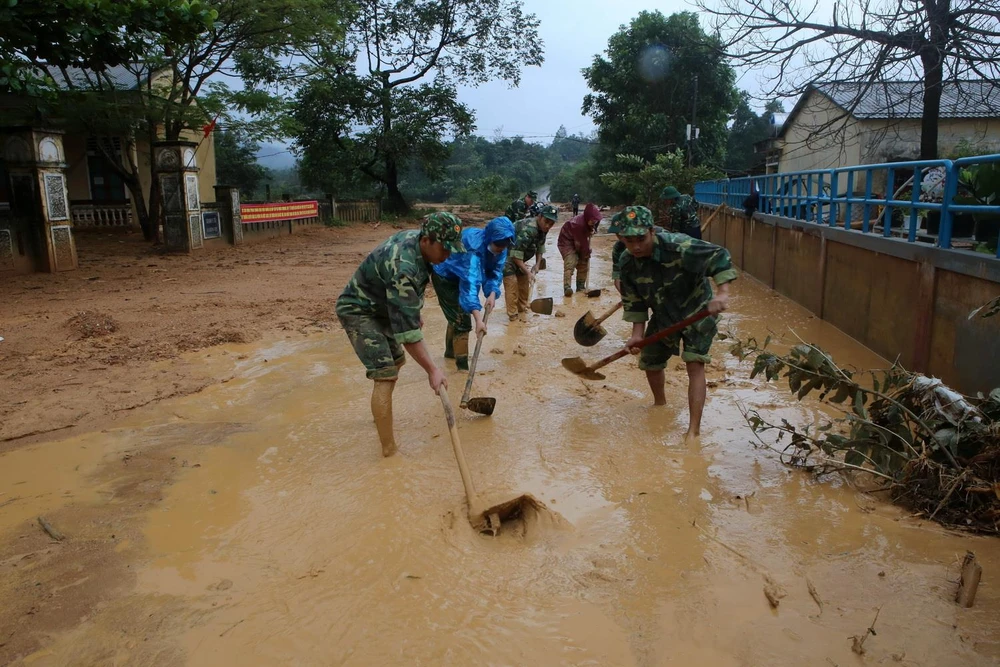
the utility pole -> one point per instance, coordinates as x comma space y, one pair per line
693, 127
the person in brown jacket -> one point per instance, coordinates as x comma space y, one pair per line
574, 246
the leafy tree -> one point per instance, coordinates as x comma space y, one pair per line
747, 129
236, 162
865, 43
84, 33
644, 90
643, 181
369, 107
175, 88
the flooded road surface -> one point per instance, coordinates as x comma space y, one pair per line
286, 539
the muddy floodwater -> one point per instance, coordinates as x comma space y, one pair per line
284, 538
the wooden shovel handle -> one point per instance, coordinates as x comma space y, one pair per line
608, 314
456, 444
472, 364
649, 340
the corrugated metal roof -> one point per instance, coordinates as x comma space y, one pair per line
122, 77
904, 99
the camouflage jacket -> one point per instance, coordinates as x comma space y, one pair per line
618, 250
389, 285
684, 215
673, 282
529, 240
518, 210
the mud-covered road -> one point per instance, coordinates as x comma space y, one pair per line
255, 523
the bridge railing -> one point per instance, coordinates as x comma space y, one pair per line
914, 200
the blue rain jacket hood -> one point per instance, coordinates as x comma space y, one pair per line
478, 268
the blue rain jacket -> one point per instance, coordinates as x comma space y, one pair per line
478, 268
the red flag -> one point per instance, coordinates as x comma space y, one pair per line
207, 129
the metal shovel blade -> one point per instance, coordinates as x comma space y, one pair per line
490, 520
580, 367
587, 332
541, 264
542, 306
593, 293
483, 405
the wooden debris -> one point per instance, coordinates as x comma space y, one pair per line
858, 643
55, 534
815, 594
972, 572
772, 591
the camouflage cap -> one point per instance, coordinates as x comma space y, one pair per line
446, 228
670, 192
550, 212
532, 194
616, 223
635, 221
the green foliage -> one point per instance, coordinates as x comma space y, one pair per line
746, 130
236, 162
935, 450
90, 34
643, 90
642, 181
490, 193
369, 122
988, 309
583, 178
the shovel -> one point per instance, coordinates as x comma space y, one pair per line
486, 404
588, 331
542, 306
484, 518
591, 293
580, 367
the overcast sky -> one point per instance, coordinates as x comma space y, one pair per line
574, 31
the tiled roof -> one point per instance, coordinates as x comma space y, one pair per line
904, 99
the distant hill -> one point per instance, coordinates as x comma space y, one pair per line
275, 156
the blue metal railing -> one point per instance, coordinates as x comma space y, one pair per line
833, 197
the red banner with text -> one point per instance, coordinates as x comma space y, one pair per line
295, 210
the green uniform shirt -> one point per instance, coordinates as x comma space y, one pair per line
673, 282
517, 210
684, 215
616, 255
389, 286
529, 239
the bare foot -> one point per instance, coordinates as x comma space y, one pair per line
659, 402
389, 450
692, 439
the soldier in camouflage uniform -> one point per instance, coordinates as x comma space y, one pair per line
523, 208
619, 249
380, 310
529, 241
668, 273
683, 212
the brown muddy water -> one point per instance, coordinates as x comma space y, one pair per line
290, 541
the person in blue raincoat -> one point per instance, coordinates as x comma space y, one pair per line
459, 280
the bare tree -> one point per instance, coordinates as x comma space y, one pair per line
865, 44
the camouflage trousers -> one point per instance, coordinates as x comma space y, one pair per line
697, 340
375, 345
447, 294
571, 263
456, 337
516, 288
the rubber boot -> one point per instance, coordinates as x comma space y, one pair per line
382, 412
449, 336
462, 351
582, 274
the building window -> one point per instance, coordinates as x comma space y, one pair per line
106, 185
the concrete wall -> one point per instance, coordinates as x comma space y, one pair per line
909, 301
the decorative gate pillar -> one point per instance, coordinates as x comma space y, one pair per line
177, 172
40, 229
227, 198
